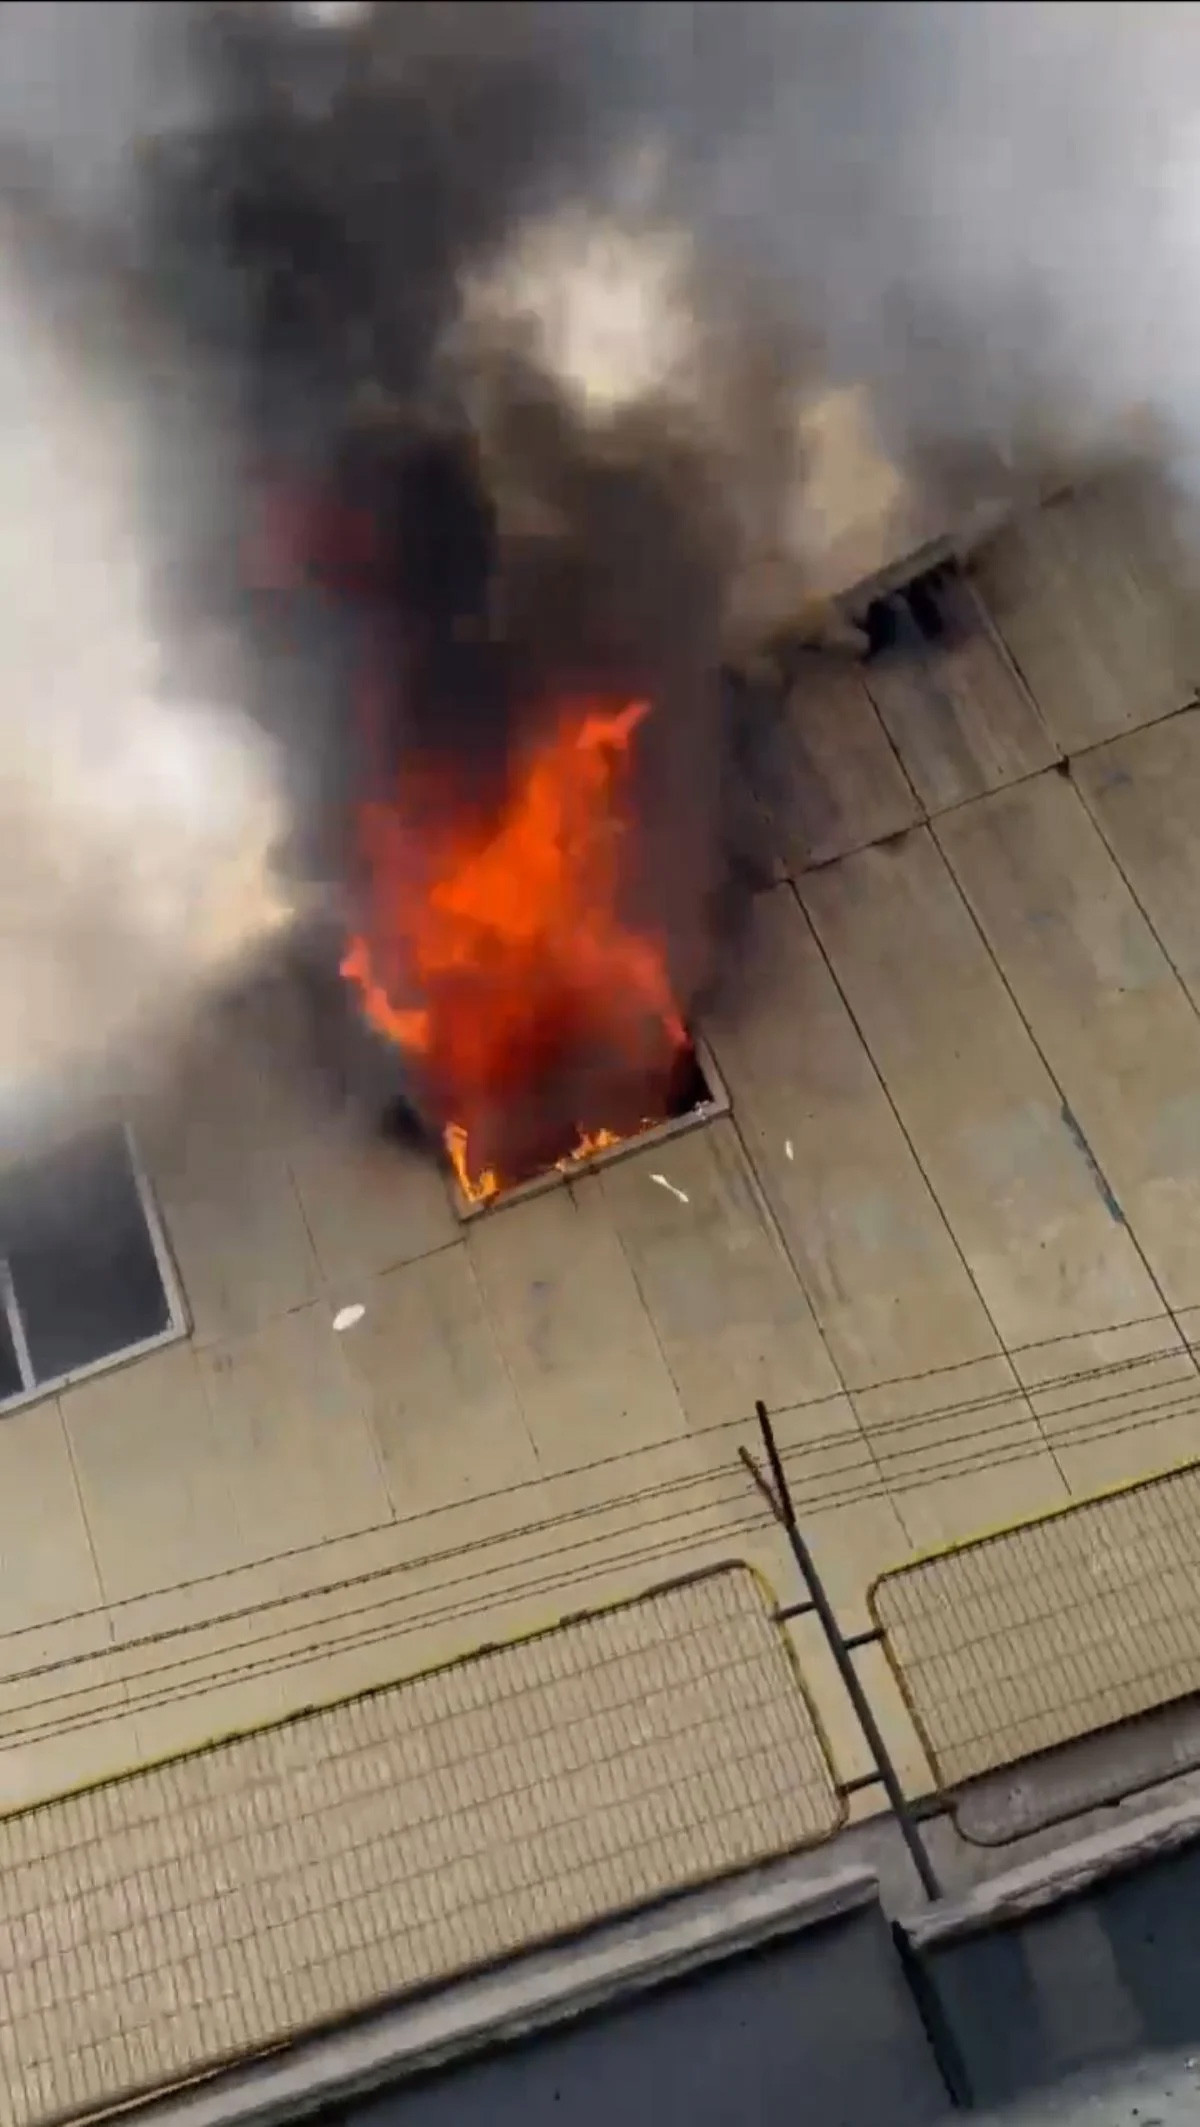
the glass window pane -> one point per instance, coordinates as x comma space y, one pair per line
83, 1268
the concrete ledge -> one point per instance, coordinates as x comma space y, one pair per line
608, 1964
1068, 1873
1072, 1963
1092, 1773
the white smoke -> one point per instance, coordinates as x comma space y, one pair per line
990, 212
138, 831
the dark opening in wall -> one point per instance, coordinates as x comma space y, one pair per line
927, 611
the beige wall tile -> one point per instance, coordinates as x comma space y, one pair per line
836, 1540
1115, 1381
802, 1427
644, 1517
521, 1561
979, 1105
62, 1700
189, 1714
830, 781
154, 1474
946, 1428
731, 1316
369, 1204
1058, 1626
294, 1433
576, 1338
1092, 598
1125, 1455
439, 1393
239, 1239
954, 707
47, 1569
298, 1629
171, 1671
1102, 1002
904, 1745
871, 1246
31, 1650
34, 1770
1116, 1406
1143, 791
950, 1510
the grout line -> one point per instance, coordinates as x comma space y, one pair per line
1001, 1352
897, 756
1108, 1195
995, 635
1097, 820
776, 1231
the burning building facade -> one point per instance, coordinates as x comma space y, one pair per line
527, 716
481, 601
546, 466
545, 356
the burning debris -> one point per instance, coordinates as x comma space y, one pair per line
672, 1188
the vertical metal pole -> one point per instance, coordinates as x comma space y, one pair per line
846, 1670
10, 1307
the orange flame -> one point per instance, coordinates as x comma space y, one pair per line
490, 950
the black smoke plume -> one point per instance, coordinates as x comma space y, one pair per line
577, 308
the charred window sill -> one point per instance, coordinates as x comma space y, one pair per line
711, 1099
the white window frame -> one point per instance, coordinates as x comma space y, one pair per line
178, 1324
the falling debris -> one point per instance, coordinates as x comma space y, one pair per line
663, 1183
787, 1146
346, 1317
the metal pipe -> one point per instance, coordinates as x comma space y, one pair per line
786, 1514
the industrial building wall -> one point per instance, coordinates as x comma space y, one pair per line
818, 2027
1071, 1982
